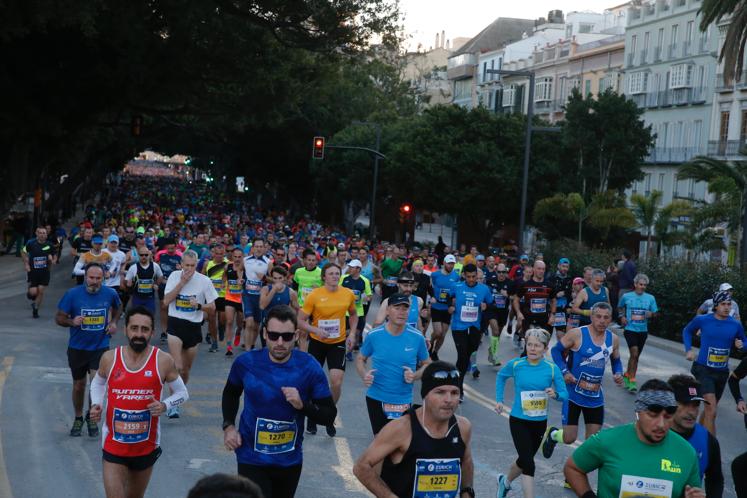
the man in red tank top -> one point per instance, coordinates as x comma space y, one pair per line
130, 378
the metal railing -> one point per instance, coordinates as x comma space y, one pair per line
728, 148
686, 48
631, 59
721, 86
672, 52
671, 154
642, 59
657, 54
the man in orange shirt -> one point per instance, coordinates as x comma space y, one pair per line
328, 338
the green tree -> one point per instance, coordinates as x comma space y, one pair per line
732, 50
654, 220
559, 215
727, 180
606, 139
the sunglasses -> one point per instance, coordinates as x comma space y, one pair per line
446, 374
143, 255
502, 272
274, 336
657, 409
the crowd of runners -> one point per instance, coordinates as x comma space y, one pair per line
183, 263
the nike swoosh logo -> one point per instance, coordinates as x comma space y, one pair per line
409, 349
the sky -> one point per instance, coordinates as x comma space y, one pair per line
465, 18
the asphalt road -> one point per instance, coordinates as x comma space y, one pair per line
39, 459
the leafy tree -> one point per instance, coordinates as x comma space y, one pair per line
556, 216
606, 139
732, 50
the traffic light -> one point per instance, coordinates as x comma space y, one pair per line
318, 150
405, 211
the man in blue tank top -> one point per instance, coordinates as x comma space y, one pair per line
594, 293
684, 422
592, 347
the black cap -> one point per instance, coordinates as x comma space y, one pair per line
398, 298
687, 394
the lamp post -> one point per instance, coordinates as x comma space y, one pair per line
377, 156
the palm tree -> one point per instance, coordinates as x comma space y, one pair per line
646, 209
727, 180
732, 52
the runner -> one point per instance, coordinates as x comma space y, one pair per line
38, 255
305, 280
361, 287
390, 270
399, 355
132, 426
327, 306
169, 259
534, 301
426, 452
144, 276
707, 306
281, 387
562, 282
718, 333
636, 309
590, 295
216, 319
116, 267
275, 293
496, 313
442, 281
91, 312
95, 255
591, 347
535, 381
233, 282
424, 290
257, 266
639, 459
406, 285
469, 299
188, 295
574, 319
686, 392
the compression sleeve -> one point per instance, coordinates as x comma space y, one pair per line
617, 366
714, 477
98, 390
78, 270
734, 388
500, 381
230, 401
321, 411
179, 393
557, 356
687, 333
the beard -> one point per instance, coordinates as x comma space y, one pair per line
138, 345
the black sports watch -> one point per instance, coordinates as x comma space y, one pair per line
469, 490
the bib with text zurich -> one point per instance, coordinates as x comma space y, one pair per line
437, 478
40, 262
589, 385
184, 303
331, 327
717, 357
94, 320
534, 403
638, 316
131, 426
145, 286
637, 487
537, 305
468, 313
274, 436
394, 411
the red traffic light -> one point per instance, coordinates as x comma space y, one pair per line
405, 209
318, 149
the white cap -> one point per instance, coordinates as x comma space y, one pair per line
725, 287
341, 245
449, 258
355, 264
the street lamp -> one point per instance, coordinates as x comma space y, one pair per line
527, 145
377, 156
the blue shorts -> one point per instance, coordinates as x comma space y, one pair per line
149, 303
251, 307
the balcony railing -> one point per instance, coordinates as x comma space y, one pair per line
721, 86
703, 45
686, 48
728, 148
671, 154
657, 54
642, 59
668, 98
672, 53
631, 59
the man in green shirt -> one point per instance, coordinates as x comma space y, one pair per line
643, 459
305, 280
390, 268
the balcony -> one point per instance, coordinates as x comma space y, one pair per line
657, 54
642, 59
722, 87
671, 154
686, 48
672, 52
703, 46
726, 149
461, 67
631, 59
544, 106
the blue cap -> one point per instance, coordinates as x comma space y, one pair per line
524, 256
97, 239
480, 257
113, 238
564, 261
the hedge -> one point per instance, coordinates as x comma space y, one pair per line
679, 286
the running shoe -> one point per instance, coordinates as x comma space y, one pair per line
349, 356
476, 373
503, 486
229, 351
93, 429
331, 431
77, 429
311, 427
491, 358
34, 311
208, 339
548, 445
213, 347
632, 386
173, 412
626, 382
566, 485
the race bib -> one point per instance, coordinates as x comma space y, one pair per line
589, 385
500, 301
443, 296
182, 303
634, 487
561, 302
574, 321
305, 291
537, 305
468, 314
274, 436
390, 281
717, 357
145, 286
331, 327
217, 283
40, 262
253, 286
94, 320
436, 478
534, 403
392, 411
638, 316
559, 319
234, 287
131, 426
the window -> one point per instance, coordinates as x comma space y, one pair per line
660, 40
485, 71
681, 76
543, 89
697, 131
585, 27
644, 53
661, 182
462, 89
587, 87
673, 37
563, 90
723, 133
743, 127
690, 29
648, 183
633, 43
608, 82
492, 66
637, 82
509, 95
568, 30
